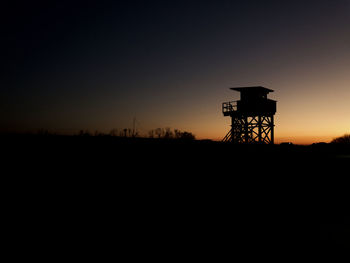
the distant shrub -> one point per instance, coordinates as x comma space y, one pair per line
84, 133
187, 136
345, 139
167, 133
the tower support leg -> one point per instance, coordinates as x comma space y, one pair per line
272, 130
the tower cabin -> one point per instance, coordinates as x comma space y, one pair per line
252, 116
253, 102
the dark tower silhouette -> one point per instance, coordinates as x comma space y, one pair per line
252, 116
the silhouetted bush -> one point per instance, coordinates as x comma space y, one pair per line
159, 132
345, 139
167, 133
43, 132
187, 136
113, 132
84, 133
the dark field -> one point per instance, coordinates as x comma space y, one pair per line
156, 197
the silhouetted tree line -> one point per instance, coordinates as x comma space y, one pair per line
114, 133
345, 139
160, 133
167, 133
124, 133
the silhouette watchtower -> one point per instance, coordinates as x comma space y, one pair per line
252, 116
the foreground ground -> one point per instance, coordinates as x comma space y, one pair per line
177, 197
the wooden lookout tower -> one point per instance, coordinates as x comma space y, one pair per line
252, 116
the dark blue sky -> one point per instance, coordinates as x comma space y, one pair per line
71, 65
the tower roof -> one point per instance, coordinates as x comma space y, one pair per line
254, 89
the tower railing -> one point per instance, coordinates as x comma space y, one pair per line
228, 107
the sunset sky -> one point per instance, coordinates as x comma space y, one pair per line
97, 65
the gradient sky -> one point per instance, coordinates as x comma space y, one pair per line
71, 65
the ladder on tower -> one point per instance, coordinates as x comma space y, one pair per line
228, 137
